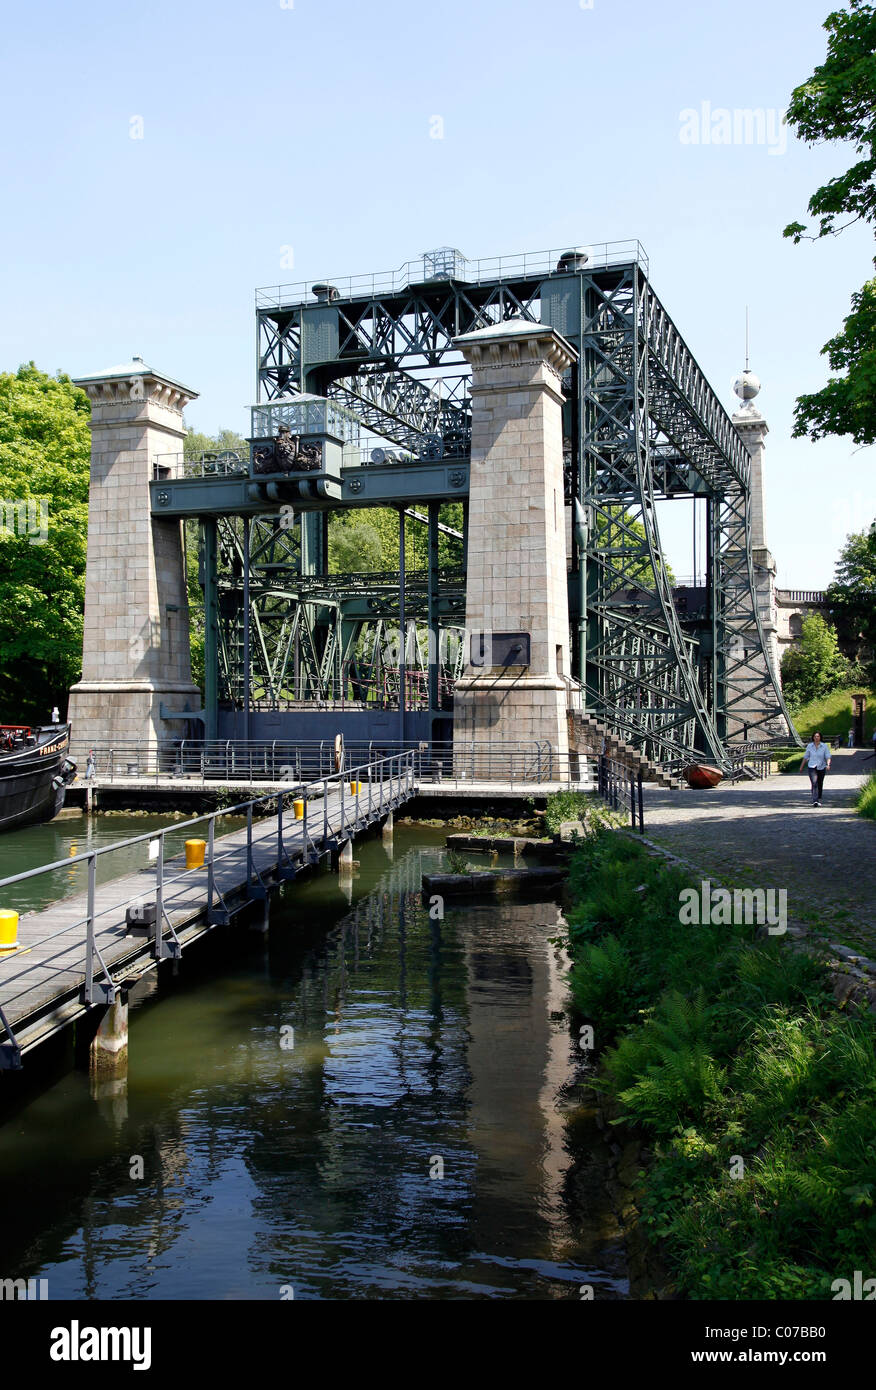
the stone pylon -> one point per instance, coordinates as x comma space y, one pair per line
754, 429
516, 586
136, 641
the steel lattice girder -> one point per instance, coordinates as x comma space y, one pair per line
399, 407
652, 428
382, 342
307, 629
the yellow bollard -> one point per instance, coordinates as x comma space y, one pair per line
8, 931
298, 809
195, 851
354, 788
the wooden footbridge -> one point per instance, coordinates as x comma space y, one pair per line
81, 955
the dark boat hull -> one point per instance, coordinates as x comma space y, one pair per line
700, 777
33, 781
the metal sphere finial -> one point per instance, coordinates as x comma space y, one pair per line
747, 385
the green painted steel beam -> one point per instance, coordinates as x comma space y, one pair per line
375, 486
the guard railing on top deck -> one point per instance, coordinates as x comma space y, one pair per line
519, 266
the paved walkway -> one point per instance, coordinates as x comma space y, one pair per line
767, 835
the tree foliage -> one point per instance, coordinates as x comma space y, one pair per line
838, 103
814, 665
851, 597
226, 441
45, 448
366, 541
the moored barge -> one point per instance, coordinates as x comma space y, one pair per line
34, 771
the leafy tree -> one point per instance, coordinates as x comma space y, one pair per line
838, 103
226, 441
851, 597
45, 448
367, 540
814, 665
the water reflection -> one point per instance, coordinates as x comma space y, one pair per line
415, 1141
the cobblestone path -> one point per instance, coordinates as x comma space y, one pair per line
767, 835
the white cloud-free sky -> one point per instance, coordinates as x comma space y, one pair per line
269, 125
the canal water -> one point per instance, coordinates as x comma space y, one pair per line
73, 833
370, 1102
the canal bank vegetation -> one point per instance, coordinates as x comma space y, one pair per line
755, 1095
589, 810
866, 798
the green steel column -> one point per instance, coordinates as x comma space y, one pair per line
312, 558
433, 618
588, 576
402, 627
211, 631
247, 639
716, 614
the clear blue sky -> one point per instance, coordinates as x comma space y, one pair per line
266, 127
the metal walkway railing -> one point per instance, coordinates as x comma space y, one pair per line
87, 949
234, 761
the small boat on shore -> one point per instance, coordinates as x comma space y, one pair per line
700, 776
34, 772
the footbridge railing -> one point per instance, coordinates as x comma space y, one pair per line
278, 761
79, 947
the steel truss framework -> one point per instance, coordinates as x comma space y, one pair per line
323, 638
652, 429
643, 426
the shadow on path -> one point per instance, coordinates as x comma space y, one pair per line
768, 835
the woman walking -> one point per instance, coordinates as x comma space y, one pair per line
816, 760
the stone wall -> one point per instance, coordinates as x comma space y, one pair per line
516, 579
136, 636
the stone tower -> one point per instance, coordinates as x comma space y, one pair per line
753, 429
513, 689
136, 640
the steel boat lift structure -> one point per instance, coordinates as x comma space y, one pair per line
365, 374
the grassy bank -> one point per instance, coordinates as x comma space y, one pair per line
832, 714
866, 799
756, 1096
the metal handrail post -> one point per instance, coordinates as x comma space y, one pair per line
159, 898
342, 775
641, 805
325, 797
211, 850
248, 845
89, 936
280, 848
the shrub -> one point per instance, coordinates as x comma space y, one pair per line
759, 1095
866, 799
582, 806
